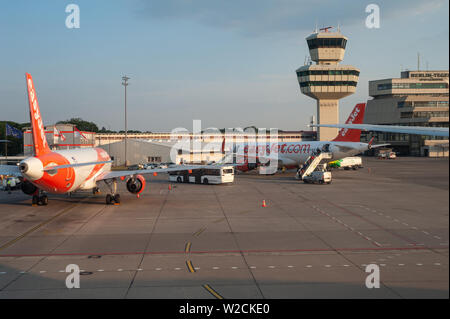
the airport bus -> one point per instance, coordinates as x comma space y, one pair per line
211, 174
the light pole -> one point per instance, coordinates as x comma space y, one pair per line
125, 84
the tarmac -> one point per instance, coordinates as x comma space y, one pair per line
217, 241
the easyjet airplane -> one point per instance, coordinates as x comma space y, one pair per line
293, 154
65, 171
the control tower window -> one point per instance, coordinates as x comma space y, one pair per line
327, 43
328, 72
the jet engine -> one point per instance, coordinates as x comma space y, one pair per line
28, 188
136, 185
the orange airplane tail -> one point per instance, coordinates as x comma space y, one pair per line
37, 126
356, 117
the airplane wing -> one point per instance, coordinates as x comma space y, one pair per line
118, 174
10, 170
420, 130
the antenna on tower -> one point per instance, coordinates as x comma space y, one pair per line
315, 28
418, 61
339, 27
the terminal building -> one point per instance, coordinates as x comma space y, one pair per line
155, 147
327, 81
60, 137
417, 98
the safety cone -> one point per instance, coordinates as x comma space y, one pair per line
264, 203
170, 187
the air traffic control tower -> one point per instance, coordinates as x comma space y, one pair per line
327, 81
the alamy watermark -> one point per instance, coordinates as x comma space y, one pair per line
73, 19
373, 19
73, 279
249, 146
373, 279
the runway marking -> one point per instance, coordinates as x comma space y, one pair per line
120, 269
410, 247
12, 242
234, 268
189, 266
212, 291
100, 270
188, 247
371, 222
215, 268
157, 269
198, 232
348, 227
219, 220
177, 268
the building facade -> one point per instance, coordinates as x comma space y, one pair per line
417, 98
60, 137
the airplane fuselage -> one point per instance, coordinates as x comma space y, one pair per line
293, 154
65, 180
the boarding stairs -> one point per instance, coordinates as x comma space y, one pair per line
311, 164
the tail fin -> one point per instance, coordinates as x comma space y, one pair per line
37, 127
356, 117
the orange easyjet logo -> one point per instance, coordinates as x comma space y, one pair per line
351, 119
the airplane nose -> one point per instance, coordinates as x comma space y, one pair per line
31, 168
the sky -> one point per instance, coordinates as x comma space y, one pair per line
227, 63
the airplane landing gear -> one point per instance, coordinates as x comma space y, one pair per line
112, 198
39, 199
95, 191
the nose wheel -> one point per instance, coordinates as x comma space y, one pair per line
41, 200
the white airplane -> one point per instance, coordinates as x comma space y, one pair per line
294, 154
66, 171
420, 130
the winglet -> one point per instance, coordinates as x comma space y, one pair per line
37, 127
356, 117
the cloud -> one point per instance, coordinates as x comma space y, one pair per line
265, 17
